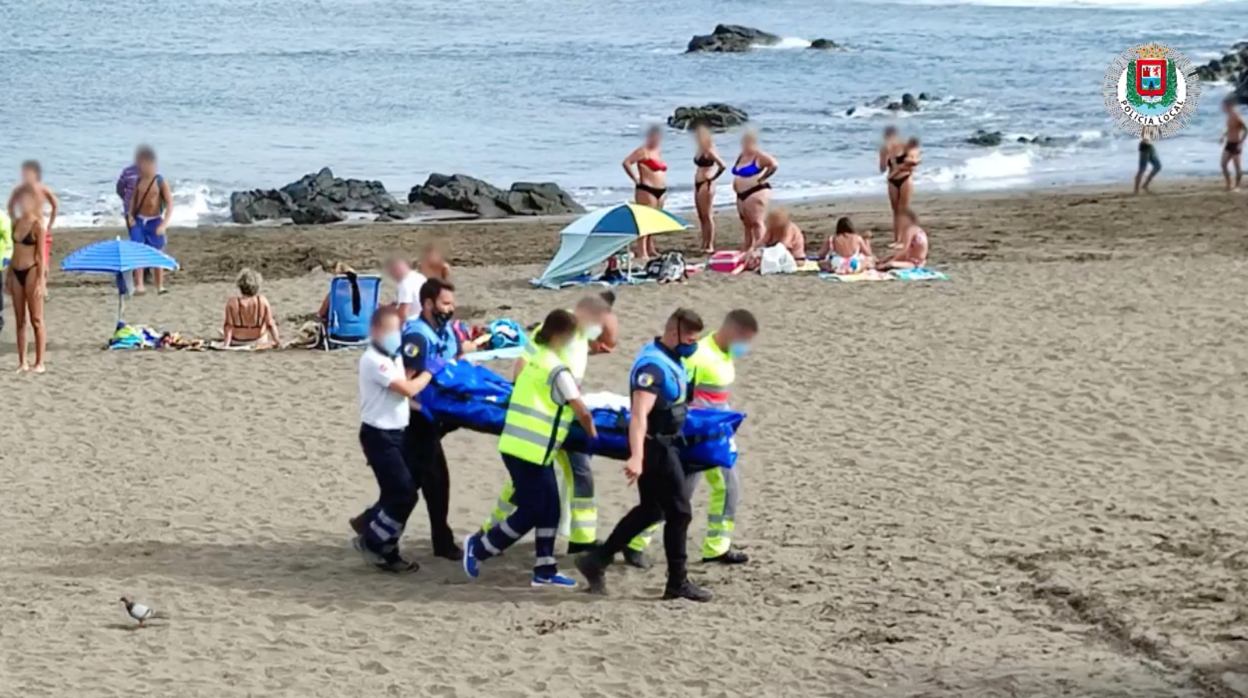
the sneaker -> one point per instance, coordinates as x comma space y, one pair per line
636, 558
578, 548
553, 580
732, 557
593, 572
687, 590
395, 564
472, 566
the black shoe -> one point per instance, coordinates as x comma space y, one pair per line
636, 558
393, 563
451, 552
732, 557
687, 590
358, 524
578, 548
593, 571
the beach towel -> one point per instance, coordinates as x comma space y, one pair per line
868, 275
919, 274
474, 397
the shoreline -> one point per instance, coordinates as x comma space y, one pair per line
966, 227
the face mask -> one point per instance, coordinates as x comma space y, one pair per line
684, 351
738, 349
443, 317
592, 332
391, 343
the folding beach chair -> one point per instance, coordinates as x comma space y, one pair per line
353, 299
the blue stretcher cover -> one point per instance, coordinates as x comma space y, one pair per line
473, 397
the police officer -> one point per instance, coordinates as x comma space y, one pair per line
590, 314
384, 391
542, 404
658, 385
712, 371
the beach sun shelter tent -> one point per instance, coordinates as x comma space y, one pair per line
596, 236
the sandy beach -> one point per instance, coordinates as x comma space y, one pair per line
1027, 481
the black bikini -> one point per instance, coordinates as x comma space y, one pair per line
652, 191
898, 181
703, 161
20, 274
742, 196
1232, 148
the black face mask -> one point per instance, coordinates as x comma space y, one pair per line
443, 317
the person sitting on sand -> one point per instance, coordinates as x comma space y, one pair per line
781, 230
338, 269
433, 265
847, 251
610, 337
913, 252
248, 316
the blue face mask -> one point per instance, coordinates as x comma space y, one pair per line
391, 343
738, 349
684, 351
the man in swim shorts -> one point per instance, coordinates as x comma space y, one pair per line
151, 206
1149, 135
1233, 143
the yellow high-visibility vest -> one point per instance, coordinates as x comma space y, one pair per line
536, 425
712, 372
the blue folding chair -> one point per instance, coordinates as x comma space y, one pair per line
353, 298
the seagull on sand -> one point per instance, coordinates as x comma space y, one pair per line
138, 611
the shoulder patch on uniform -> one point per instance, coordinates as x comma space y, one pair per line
411, 351
645, 380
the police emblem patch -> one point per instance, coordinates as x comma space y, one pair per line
645, 380
1151, 85
411, 351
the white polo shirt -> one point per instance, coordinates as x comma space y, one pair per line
409, 292
381, 407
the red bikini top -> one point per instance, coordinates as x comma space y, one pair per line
654, 165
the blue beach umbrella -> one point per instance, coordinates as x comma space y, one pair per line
117, 257
596, 236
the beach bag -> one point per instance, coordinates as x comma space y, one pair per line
727, 262
669, 267
777, 260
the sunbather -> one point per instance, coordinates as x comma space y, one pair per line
847, 251
248, 316
781, 230
913, 252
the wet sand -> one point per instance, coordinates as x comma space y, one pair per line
1027, 481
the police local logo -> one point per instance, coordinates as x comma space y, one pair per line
1151, 85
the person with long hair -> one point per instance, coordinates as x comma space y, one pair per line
901, 183
912, 253
32, 178
890, 147
27, 277
646, 168
543, 403
750, 174
709, 166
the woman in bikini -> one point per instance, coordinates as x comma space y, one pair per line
901, 183
32, 178
847, 251
709, 166
750, 174
248, 316
890, 147
646, 168
27, 277
913, 252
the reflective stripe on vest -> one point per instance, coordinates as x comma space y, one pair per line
536, 425
712, 373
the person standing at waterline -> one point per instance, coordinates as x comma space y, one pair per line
709, 168
646, 168
27, 274
1233, 143
1149, 135
890, 147
750, 174
901, 182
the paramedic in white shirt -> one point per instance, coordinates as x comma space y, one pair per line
384, 393
409, 282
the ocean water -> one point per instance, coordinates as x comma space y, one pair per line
238, 94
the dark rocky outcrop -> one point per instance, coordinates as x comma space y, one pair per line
985, 138
907, 103
1231, 68
731, 38
714, 116
473, 196
315, 199
823, 44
